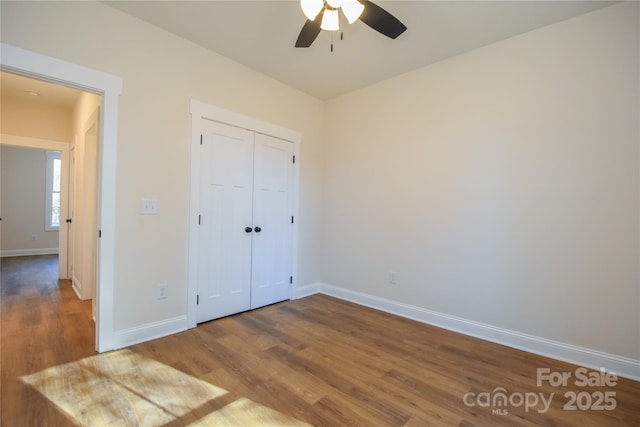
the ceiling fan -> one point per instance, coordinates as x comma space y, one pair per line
323, 15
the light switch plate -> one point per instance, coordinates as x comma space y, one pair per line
149, 207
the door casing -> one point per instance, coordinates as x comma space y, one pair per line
30, 64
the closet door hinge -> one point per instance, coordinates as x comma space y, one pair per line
99, 234
197, 299
291, 219
294, 159
291, 280
199, 219
200, 139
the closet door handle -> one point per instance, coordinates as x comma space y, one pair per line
258, 229
248, 230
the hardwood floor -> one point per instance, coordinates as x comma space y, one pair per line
42, 324
317, 360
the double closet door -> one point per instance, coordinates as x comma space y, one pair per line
245, 221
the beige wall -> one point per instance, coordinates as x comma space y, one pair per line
22, 193
501, 185
161, 73
35, 120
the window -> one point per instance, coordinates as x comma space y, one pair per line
52, 205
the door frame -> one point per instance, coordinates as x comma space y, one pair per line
71, 190
199, 111
109, 87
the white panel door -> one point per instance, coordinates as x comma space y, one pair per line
226, 193
272, 220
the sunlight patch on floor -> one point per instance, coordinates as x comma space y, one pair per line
245, 412
125, 388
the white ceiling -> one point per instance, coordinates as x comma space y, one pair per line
261, 35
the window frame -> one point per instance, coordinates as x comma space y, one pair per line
48, 213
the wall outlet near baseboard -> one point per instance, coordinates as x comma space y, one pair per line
162, 291
393, 277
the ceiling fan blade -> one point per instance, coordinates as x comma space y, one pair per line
309, 32
381, 20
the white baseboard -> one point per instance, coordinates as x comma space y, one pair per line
148, 332
307, 290
77, 287
28, 252
622, 366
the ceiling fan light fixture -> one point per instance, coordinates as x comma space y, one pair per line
352, 10
336, 4
311, 8
330, 20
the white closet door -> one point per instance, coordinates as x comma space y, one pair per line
272, 221
226, 192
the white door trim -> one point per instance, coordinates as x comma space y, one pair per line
35, 65
199, 111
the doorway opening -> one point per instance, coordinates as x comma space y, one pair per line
49, 170
108, 87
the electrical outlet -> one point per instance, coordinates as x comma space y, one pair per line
162, 291
393, 277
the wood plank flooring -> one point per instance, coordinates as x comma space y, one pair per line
42, 324
318, 360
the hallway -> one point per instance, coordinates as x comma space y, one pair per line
42, 324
